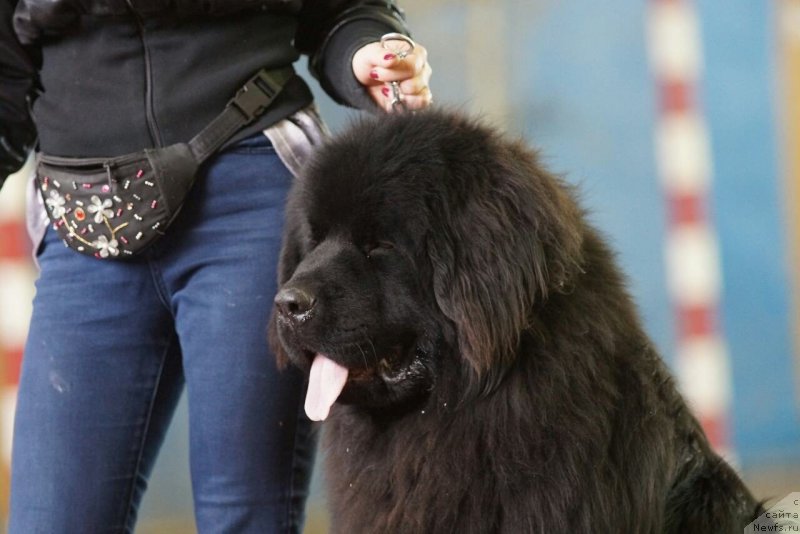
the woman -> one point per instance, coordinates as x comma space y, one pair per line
112, 343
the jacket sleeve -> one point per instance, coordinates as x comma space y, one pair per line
17, 74
330, 33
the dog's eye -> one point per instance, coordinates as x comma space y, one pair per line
378, 246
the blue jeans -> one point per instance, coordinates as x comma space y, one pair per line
112, 344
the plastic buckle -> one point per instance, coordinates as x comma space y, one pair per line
253, 98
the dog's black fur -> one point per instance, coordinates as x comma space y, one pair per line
500, 380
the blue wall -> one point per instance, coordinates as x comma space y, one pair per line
741, 102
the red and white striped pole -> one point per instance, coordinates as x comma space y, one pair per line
684, 162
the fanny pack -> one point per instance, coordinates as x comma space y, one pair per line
114, 208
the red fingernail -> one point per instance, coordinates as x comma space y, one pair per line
373, 75
387, 57
385, 91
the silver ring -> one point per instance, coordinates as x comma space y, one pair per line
401, 53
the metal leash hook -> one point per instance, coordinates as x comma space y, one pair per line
407, 47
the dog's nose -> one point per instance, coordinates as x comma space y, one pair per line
294, 302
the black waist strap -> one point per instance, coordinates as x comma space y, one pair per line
250, 102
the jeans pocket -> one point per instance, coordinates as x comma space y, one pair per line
257, 143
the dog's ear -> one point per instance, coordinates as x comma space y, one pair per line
290, 257
513, 238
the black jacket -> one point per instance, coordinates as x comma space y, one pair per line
108, 77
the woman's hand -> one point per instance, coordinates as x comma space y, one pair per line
376, 66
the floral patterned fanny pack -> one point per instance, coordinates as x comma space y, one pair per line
114, 208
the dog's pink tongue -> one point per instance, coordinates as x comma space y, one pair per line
325, 382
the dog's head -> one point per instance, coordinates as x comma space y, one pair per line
417, 244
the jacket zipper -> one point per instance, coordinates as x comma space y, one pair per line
150, 115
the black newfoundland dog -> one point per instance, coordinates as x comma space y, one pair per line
470, 333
